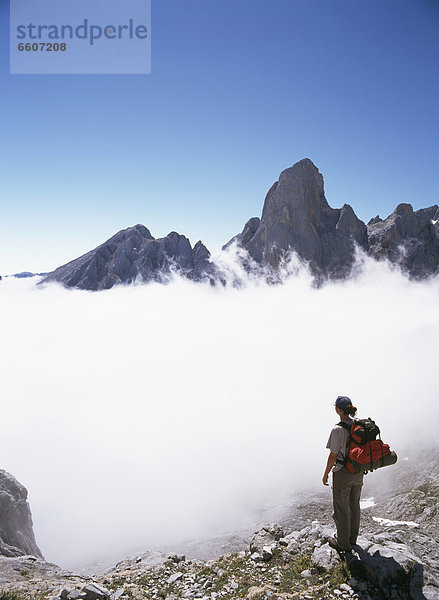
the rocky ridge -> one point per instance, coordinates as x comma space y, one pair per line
409, 238
134, 254
296, 217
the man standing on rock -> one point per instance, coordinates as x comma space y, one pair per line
346, 486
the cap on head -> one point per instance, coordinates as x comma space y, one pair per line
343, 402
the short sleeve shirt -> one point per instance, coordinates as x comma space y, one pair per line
337, 442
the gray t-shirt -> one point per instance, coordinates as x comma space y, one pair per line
338, 440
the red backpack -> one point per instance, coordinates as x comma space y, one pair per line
364, 452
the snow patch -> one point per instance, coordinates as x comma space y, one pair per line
391, 523
367, 502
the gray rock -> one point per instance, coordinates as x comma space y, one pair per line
94, 591
268, 552
257, 557
266, 537
306, 574
134, 254
398, 553
324, 558
16, 528
388, 566
429, 592
177, 558
175, 577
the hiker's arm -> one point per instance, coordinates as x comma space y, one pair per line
331, 462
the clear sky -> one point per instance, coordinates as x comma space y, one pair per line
239, 90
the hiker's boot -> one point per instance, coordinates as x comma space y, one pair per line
333, 542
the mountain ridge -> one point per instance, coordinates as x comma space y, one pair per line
132, 254
296, 217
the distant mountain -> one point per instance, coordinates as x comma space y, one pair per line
26, 274
296, 216
135, 254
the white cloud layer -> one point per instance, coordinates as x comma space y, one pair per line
149, 414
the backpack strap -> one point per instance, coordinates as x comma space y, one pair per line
343, 461
345, 426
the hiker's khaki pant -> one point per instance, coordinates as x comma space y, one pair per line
346, 492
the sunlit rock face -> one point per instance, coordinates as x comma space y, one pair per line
133, 254
296, 216
16, 532
408, 237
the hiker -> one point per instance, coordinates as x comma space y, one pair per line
346, 486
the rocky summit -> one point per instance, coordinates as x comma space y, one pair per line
134, 254
297, 217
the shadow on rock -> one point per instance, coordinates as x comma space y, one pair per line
393, 570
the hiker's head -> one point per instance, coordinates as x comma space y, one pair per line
343, 405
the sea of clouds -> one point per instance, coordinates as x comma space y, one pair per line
145, 415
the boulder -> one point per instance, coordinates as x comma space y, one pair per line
387, 565
94, 591
267, 537
324, 557
175, 577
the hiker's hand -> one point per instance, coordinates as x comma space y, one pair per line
325, 480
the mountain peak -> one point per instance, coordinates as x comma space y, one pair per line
296, 216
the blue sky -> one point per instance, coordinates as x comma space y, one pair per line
239, 90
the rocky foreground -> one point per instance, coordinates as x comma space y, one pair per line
397, 557
396, 560
297, 565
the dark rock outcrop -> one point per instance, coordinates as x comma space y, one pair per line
134, 254
16, 532
408, 238
296, 216
245, 237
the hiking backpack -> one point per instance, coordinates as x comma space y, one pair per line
364, 452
